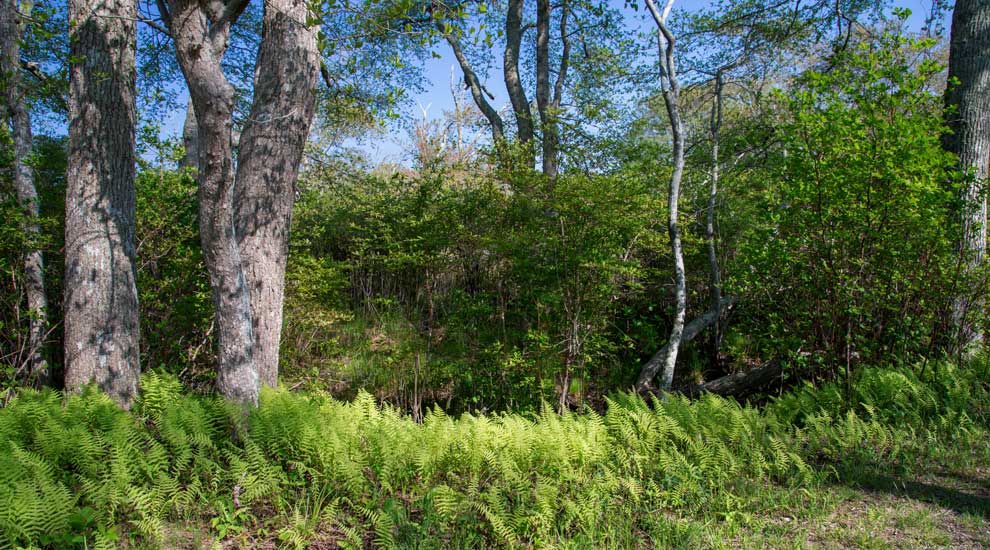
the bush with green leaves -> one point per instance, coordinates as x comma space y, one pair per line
849, 258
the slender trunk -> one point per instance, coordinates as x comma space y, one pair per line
551, 127
714, 275
477, 89
543, 86
190, 139
671, 91
12, 28
510, 68
969, 63
213, 100
271, 149
101, 300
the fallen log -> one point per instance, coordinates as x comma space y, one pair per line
740, 384
692, 329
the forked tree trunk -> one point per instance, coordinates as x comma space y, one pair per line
271, 149
969, 64
101, 300
213, 100
12, 26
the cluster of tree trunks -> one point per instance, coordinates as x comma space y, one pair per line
548, 98
245, 205
245, 211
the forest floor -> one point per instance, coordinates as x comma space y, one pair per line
947, 507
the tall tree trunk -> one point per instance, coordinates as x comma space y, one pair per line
101, 301
969, 63
550, 117
671, 92
510, 69
12, 27
714, 275
213, 100
543, 86
271, 149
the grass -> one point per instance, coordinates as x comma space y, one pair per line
903, 461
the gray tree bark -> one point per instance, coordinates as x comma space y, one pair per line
714, 275
190, 129
969, 63
271, 149
12, 26
671, 91
477, 89
101, 300
510, 69
212, 95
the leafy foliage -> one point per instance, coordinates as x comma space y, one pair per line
79, 472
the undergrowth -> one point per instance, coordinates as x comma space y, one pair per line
78, 472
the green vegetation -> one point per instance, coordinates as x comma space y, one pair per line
458, 357
305, 469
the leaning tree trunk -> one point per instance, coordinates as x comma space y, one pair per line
101, 300
969, 63
11, 30
213, 100
671, 91
510, 70
271, 149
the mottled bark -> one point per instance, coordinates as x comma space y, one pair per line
510, 69
271, 148
190, 129
213, 101
12, 26
969, 64
671, 90
101, 300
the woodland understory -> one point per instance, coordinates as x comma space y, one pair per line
652, 276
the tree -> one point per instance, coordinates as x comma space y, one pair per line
244, 227
101, 300
13, 18
271, 149
968, 98
590, 25
670, 88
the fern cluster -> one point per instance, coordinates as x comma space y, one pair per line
78, 472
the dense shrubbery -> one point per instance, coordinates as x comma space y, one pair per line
79, 472
482, 288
